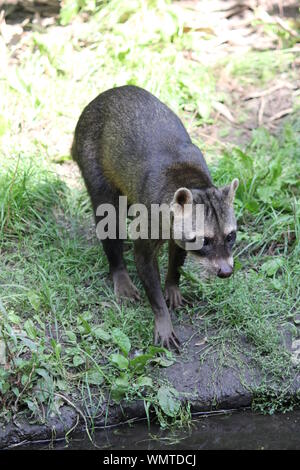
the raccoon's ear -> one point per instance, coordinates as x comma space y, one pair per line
230, 190
182, 196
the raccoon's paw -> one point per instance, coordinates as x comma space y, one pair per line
164, 334
173, 296
123, 287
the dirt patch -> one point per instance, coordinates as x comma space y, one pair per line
237, 29
69, 172
267, 107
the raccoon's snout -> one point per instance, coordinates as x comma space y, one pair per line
225, 272
225, 269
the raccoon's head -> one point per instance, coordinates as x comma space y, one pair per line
204, 225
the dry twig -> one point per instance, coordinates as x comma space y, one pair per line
280, 114
261, 111
269, 91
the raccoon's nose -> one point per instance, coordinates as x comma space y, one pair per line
225, 271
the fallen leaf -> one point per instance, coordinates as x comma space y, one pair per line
222, 109
205, 340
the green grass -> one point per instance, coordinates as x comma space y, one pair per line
64, 333
254, 68
260, 302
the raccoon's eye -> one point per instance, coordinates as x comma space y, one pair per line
231, 237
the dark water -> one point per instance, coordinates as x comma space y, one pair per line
237, 430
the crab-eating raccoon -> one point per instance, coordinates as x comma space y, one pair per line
128, 143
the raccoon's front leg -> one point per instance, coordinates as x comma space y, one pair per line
147, 267
176, 260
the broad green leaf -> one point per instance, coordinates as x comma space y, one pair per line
24, 379
14, 318
4, 386
94, 377
277, 284
85, 324
271, 267
61, 385
30, 344
121, 340
166, 360
48, 380
168, 400
144, 381
119, 361
163, 361
32, 405
56, 348
78, 361
71, 335
30, 329
158, 349
34, 300
120, 387
138, 363
100, 333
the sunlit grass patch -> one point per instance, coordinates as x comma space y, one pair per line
268, 170
119, 45
260, 67
28, 191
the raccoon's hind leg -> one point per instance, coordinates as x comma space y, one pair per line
123, 286
113, 248
176, 259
